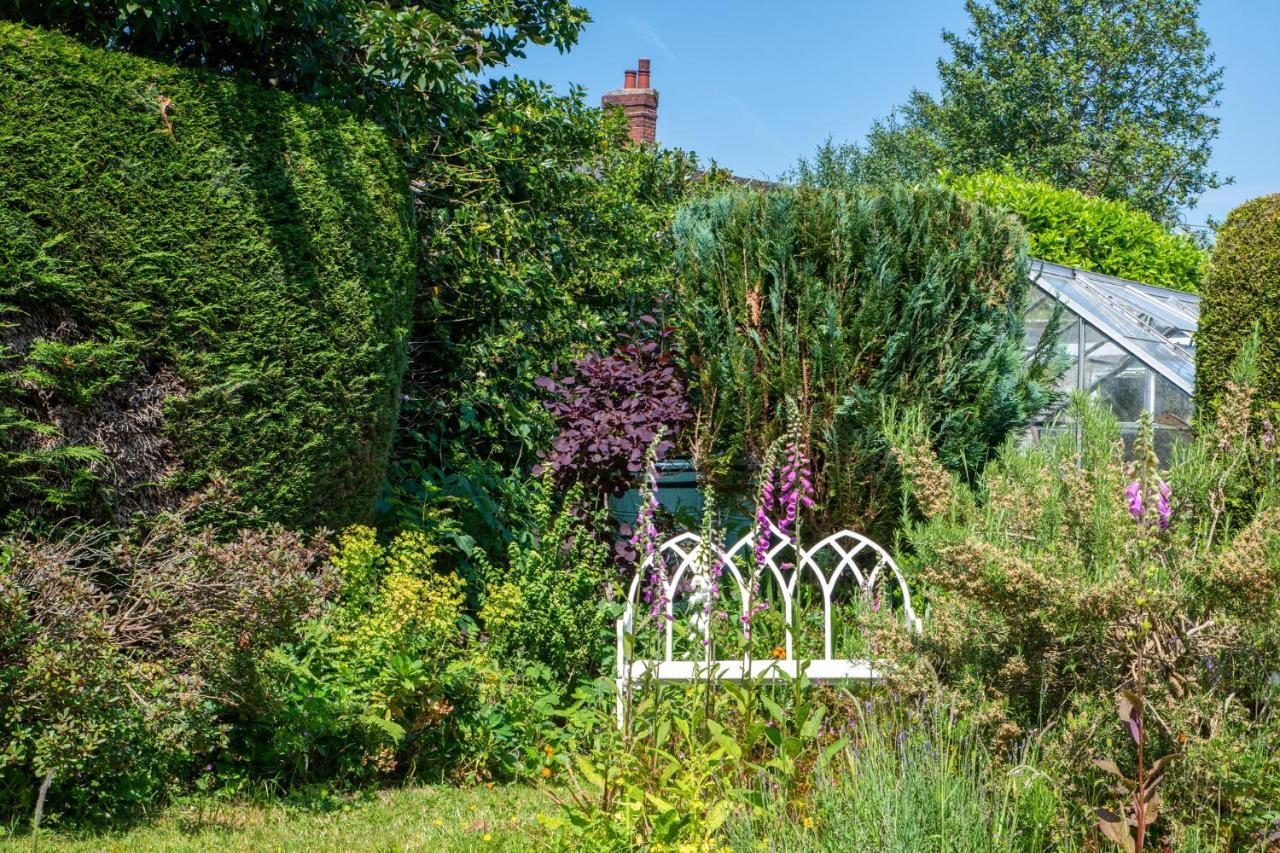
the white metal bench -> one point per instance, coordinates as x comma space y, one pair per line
686, 551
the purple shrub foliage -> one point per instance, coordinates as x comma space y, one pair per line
609, 409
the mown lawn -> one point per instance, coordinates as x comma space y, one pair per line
433, 817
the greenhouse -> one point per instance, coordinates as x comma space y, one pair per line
1129, 344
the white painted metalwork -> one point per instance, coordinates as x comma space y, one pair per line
687, 552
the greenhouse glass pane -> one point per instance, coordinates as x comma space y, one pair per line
1126, 391
1102, 356
1173, 406
1035, 320
1069, 342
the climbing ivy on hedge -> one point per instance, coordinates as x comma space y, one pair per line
1068, 227
847, 303
197, 276
1241, 290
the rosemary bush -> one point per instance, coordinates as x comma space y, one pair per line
1068, 579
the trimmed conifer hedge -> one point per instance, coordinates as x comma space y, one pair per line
197, 277
1241, 291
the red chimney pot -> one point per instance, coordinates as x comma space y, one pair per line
639, 102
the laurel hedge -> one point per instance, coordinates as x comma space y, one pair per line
198, 278
1067, 227
1241, 292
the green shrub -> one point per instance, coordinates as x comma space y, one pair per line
1067, 227
547, 605
196, 276
126, 662
1241, 291
842, 301
1068, 575
114, 732
387, 684
369, 684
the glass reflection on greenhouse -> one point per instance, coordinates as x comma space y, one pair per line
1129, 345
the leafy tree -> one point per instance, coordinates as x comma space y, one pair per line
412, 66
1114, 98
545, 230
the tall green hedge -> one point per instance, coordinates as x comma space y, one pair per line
1241, 290
197, 277
1068, 227
847, 302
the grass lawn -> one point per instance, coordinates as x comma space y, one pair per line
433, 817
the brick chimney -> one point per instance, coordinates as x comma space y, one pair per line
638, 100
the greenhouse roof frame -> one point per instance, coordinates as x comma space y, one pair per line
1156, 325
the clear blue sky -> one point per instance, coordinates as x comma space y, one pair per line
756, 83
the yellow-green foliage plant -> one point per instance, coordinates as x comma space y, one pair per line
1067, 227
1070, 578
197, 275
377, 685
548, 604
394, 600
1242, 290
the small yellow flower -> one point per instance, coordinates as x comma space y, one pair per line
486, 838
546, 773
437, 822
488, 786
549, 751
808, 823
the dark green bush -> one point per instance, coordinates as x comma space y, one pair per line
1241, 290
543, 232
1067, 227
196, 275
845, 301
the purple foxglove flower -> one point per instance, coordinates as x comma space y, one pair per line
1133, 494
1163, 508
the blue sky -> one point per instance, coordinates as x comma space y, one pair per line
755, 84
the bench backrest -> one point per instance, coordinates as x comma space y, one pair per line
689, 555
